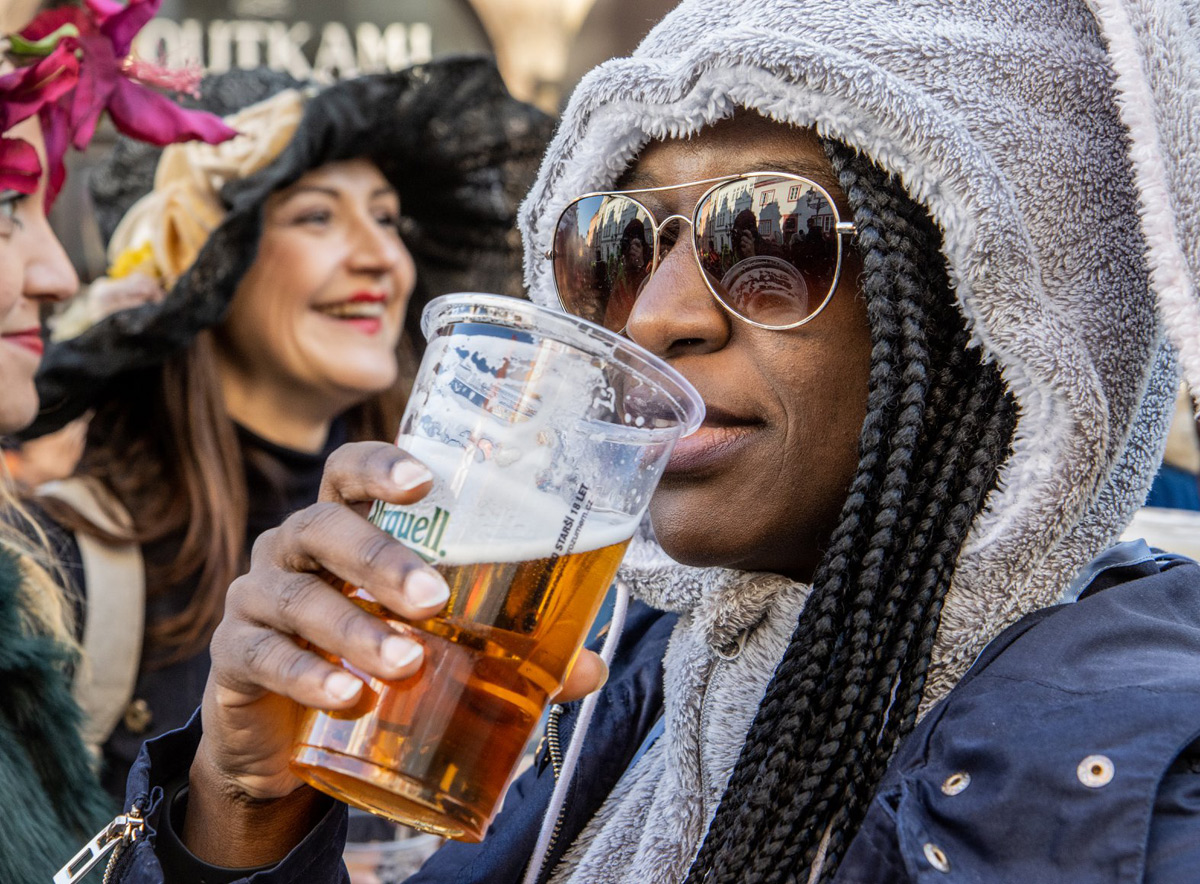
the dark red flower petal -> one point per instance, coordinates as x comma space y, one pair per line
19, 165
56, 132
92, 81
51, 20
148, 116
25, 90
123, 25
99, 74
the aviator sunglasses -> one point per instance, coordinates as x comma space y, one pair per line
768, 246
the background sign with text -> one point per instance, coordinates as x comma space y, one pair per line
311, 39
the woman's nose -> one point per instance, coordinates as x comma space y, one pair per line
374, 247
49, 275
675, 313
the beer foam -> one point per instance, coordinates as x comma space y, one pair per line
485, 508
594, 536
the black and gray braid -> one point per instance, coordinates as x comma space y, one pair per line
939, 423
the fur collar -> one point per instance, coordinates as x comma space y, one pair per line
52, 802
722, 604
734, 627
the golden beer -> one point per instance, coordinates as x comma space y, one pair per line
436, 750
545, 437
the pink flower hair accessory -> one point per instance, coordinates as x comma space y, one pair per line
74, 64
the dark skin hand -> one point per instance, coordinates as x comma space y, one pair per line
245, 807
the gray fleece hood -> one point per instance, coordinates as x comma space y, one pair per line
1054, 143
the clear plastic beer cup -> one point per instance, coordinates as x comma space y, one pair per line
546, 436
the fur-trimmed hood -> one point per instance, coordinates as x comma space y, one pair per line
1064, 177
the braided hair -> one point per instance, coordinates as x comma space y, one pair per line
939, 423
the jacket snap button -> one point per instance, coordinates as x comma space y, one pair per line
937, 857
1095, 771
956, 783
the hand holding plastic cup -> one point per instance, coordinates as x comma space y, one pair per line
546, 436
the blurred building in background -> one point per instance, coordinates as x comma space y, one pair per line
545, 46
542, 47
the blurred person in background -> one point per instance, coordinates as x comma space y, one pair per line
1170, 519
289, 256
50, 798
1177, 485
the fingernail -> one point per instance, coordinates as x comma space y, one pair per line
425, 589
398, 652
604, 676
408, 474
342, 686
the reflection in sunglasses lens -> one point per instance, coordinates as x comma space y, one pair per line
603, 250
768, 247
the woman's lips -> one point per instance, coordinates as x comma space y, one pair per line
363, 311
709, 445
29, 339
364, 325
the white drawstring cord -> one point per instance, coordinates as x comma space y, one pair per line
616, 625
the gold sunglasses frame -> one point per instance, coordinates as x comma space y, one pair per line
841, 229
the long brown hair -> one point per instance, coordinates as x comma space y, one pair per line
167, 448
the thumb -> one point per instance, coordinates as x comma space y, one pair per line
587, 675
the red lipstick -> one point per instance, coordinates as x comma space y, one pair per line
27, 338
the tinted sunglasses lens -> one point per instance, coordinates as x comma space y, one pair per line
768, 247
603, 249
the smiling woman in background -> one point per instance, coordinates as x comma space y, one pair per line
43, 765
289, 255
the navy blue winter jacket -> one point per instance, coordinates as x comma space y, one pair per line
1068, 753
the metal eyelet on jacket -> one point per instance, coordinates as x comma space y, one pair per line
1096, 771
937, 857
956, 783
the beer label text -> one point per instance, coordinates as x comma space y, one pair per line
421, 534
572, 525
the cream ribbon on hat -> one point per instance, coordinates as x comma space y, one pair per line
163, 232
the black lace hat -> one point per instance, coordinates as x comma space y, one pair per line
458, 148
